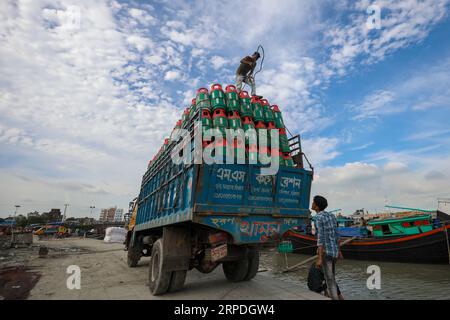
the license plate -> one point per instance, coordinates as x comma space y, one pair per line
219, 252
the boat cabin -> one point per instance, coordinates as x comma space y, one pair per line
344, 222
401, 226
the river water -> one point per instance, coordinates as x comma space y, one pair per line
398, 280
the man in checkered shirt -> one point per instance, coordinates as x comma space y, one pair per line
327, 244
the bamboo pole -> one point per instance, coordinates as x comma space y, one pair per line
288, 269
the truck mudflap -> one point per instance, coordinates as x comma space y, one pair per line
250, 229
176, 248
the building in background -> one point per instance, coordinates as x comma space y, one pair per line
119, 215
108, 215
34, 214
102, 216
54, 215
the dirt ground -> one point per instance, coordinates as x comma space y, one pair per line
105, 275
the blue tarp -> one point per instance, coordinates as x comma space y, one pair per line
352, 232
8, 223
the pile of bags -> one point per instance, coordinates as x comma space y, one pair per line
115, 235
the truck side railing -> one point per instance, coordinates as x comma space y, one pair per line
297, 153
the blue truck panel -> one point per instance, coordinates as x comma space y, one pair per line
250, 228
229, 197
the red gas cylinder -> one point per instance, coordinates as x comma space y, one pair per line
232, 98
220, 119
256, 99
284, 142
258, 111
243, 95
260, 125
278, 117
248, 121
233, 114
185, 115
230, 88
280, 158
288, 159
202, 90
219, 113
234, 120
216, 86
275, 108
217, 97
206, 119
206, 114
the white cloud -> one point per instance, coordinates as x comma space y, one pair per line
218, 62
172, 75
395, 167
403, 23
370, 186
361, 147
320, 150
141, 16
423, 89
427, 87
140, 43
427, 133
378, 103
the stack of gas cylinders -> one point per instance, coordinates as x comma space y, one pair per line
227, 109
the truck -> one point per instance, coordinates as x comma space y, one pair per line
201, 216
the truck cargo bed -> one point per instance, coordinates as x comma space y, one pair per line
229, 197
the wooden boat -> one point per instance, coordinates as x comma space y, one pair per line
411, 239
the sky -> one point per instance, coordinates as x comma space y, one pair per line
90, 89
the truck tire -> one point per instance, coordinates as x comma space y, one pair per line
177, 280
235, 270
253, 264
134, 255
158, 280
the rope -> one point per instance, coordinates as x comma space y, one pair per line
307, 247
288, 269
262, 61
288, 131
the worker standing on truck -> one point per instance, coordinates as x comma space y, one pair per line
244, 73
327, 244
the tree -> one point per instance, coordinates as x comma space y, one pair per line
21, 221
